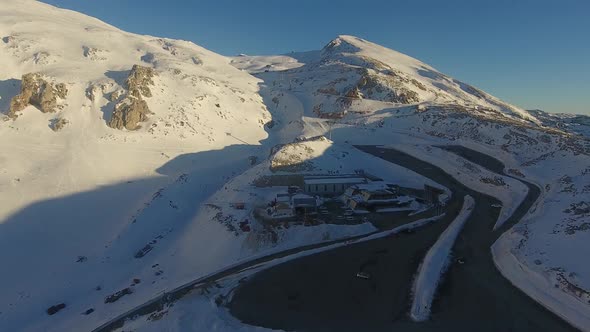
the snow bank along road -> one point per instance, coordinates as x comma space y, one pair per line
171, 296
321, 293
253, 265
519, 274
435, 263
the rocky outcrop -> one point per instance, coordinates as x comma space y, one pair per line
115, 95
95, 54
386, 88
58, 124
128, 113
133, 109
354, 93
37, 91
139, 80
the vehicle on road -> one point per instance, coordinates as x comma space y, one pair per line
363, 275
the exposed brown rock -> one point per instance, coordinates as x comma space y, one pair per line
139, 80
93, 92
354, 93
128, 113
386, 88
38, 92
115, 95
132, 109
17, 104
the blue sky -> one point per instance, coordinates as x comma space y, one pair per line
532, 53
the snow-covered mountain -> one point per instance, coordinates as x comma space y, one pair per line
121, 154
356, 92
349, 69
194, 100
574, 123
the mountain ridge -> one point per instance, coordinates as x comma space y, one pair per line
406, 80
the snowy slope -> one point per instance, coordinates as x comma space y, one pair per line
79, 203
91, 208
574, 123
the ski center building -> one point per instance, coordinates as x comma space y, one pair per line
331, 185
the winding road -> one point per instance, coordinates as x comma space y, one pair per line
321, 292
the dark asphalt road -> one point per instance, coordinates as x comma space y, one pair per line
321, 292
168, 298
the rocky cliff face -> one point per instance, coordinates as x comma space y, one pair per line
139, 80
386, 88
128, 113
37, 91
132, 108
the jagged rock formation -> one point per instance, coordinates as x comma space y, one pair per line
386, 88
139, 80
132, 109
354, 93
128, 113
114, 96
37, 91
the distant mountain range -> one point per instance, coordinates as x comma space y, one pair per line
575, 123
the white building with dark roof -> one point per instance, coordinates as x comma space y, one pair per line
304, 204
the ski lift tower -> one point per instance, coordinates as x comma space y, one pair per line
330, 124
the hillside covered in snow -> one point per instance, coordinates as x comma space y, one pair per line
122, 153
357, 92
110, 143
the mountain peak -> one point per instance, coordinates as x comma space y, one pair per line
342, 44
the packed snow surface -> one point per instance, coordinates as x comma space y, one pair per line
541, 286
435, 263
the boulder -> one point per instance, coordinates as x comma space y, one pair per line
37, 91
